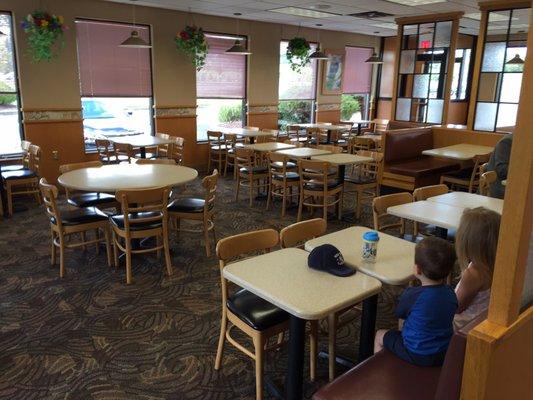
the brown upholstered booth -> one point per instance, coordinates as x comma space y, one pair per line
384, 376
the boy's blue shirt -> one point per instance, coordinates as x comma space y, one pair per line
428, 312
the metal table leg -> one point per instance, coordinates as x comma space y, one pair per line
295, 371
368, 328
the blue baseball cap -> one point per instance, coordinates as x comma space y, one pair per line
328, 258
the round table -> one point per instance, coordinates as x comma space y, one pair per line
110, 178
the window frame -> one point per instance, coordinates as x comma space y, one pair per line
244, 99
89, 150
17, 93
468, 87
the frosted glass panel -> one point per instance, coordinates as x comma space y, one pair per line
443, 34
485, 116
434, 86
507, 115
421, 86
407, 62
425, 37
511, 88
435, 111
493, 57
403, 109
512, 52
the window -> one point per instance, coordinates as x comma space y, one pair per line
502, 66
220, 87
422, 72
461, 71
356, 84
297, 90
115, 82
9, 95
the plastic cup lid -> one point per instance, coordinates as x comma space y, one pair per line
371, 236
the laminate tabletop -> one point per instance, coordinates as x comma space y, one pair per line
141, 140
469, 200
462, 151
269, 146
303, 152
429, 212
343, 159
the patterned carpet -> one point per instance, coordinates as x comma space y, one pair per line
89, 336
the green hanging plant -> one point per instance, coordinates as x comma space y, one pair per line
192, 42
298, 51
43, 30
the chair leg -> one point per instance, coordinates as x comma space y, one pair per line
128, 260
97, 244
108, 246
332, 338
259, 351
83, 239
206, 239
166, 249
269, 195
251, 192
9, 196
313, 341
209, 163
238, 187
221, 339
61, 256
358, 198
300, 206
284, 201
53, 259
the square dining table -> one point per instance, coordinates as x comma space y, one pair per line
269, 146
303, 152
251, 134
283, 278
341, 160
142, 142
459, 152
469, 200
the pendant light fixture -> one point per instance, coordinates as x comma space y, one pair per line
317, 54
135, 41
516, 60
374, 59
238, 48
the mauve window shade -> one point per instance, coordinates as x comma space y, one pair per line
357, 76
107, 70
223, 75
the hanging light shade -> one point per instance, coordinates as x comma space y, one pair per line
318, 55
374, 59
238, 49
135, 42
516, 60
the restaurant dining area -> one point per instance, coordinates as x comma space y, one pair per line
245, 199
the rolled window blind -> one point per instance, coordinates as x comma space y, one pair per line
357, 76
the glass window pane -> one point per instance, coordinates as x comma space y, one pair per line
493, 57
405, 88
108, 117
296, 85
294, 112
498, 25
8, 82
435, 108
353, 107
407, 61
212, 114
507, 115
421, 86
436, 86
485, 116
443, 34
520, 22
425, 37
488, 86
9, 121
512, 53
512, 83
409, 37
465, 73
403, 109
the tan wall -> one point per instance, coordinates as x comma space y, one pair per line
388, 67
55, 85
446, 137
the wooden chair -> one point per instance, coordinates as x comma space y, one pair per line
144, 215
364, 179
163, 150
160, 161
249, 175
330, 147
468, 178
379, 210
316, 136
282, 180
25, 162
197, 209
176, 149
377, 126
424, 193
317, 185
238, 306
23, 181
63, 225
124, 152
81, 199
231, 145
267, 139
358, 143
217, 150
296, 135
106, 152
487, 178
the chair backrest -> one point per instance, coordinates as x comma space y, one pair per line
244, 158
124, 149
300, 232
380, 205
160, 135
314, 172
151, 201
251, 128
425, 192
329, 147
160, 161
49, 195
209, 184
292, 130
487, 178
74, 166
370, 170
215, 138
35, 158
358, 143
273, 138
25, 146
380, 125
164, 150
295, 143
104, 148
480, 162
178, 145
245, 243
315, 133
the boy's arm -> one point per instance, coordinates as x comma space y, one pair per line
406, 301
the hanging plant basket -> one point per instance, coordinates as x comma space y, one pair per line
43, 31
298, 51
192, 42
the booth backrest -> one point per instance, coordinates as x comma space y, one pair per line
406, 144
404, 124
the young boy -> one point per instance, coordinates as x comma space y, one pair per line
428, 309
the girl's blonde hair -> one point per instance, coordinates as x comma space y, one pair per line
476, 239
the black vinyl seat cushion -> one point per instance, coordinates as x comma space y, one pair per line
291, 176
118, 221
90, 199
187, 205
14, 167
332, 184
464, 174
279, 164
81, 216
358, 180
254, 311
255, 170
19, 174
148, 155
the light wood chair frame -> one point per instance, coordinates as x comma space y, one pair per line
106, 151
244, 158
124, 149
473, 182
177, 149
423, 193
486, 179
379, 210
280, 188
217, 150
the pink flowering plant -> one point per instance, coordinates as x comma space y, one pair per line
43, 30
192, 42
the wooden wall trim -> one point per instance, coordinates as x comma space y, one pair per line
503, 4
170, 106
49, 121
449, 72
477, 70
173, 112
51, 115
418, 19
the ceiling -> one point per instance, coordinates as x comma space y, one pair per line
381, 26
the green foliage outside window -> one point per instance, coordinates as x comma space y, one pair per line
294, 112
230, 113
6, 99
350, 104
